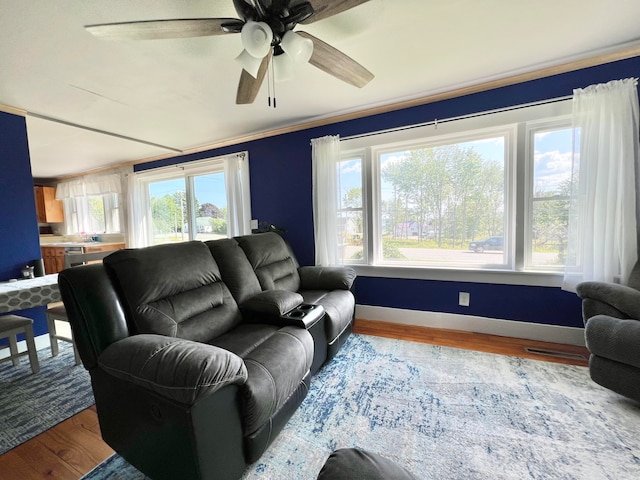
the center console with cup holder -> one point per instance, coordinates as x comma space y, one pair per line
311, 317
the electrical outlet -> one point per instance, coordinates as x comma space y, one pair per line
254, 224
464, 299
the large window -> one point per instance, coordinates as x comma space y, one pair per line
485, 193
190, 201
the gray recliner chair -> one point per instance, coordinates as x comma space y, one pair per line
611, 314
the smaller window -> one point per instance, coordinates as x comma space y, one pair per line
201, 200
350, 226
551, 151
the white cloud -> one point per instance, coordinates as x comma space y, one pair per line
551, 169
350, 167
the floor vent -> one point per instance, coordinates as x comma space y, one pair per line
553, 353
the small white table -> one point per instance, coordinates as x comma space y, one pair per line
29, 293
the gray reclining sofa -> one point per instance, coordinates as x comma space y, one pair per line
188, 384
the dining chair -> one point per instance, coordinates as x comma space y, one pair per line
58, 313
10, 327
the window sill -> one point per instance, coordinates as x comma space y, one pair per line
503, 277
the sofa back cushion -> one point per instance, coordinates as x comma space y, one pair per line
272, 260
235, 268
174, 290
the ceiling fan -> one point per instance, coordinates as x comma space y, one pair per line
266, 28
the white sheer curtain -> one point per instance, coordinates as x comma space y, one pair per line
603, 238
75, 198
325, 153
238, 194
89, 185
137, 233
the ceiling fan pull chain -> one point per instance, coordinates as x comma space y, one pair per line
274, 93
269, 75
273, 78
269, 87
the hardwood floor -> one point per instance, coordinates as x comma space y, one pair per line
66, 451
515, 347
74, 447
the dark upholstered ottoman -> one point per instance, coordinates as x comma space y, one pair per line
354, 464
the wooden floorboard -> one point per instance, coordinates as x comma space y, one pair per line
515, 347
74, 447
66, 451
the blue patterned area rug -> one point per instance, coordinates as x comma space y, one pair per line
32, 403
447, 413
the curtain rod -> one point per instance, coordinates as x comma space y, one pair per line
460, 117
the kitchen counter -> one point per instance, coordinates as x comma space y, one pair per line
53, 254
82, 244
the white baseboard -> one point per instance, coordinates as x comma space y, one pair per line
470, 323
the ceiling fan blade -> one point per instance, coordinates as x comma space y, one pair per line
334, 62
250, 9
158, 29
327, 8
248, 87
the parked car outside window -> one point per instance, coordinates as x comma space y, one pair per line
491, 243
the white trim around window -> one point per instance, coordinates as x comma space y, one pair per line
516, 263
232, 181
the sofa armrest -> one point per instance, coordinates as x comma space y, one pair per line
174, 368
326, 278
621, 297
273, 303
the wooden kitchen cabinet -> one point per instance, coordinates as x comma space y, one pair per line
48, 208
53, 258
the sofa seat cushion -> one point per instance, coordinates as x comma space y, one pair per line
277, 360
338, 305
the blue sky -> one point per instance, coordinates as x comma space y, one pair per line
208, 188
552, 160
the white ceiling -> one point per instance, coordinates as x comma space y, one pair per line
91, 102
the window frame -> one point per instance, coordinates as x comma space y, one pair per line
562, 122
518, 190
357, 157
186, 171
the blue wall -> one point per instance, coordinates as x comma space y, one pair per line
281, 194
19, 241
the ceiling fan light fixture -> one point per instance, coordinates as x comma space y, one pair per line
250, 63
256, 38
283, 67
297, 47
